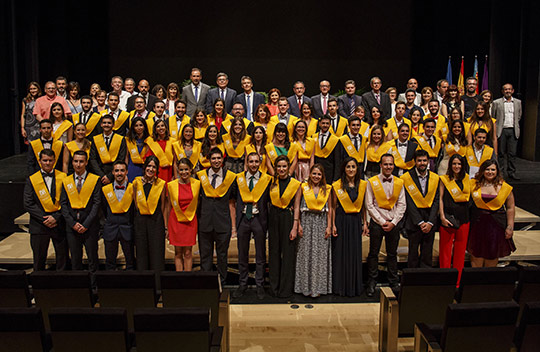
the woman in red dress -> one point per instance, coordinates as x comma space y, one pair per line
160, 145
182, 225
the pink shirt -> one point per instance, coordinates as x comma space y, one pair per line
43, 106
381, 215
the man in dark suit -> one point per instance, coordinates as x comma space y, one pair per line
403, 150
89, 118
106, 149
327, 150
432, 144
121, 117
226, 94
249, 99
421, 219
41, 200
377, 98
296, 100
44, 142
80, 201
320, 101
216, 220
117, 202
251, 218
150, 99
194, 94
349, 101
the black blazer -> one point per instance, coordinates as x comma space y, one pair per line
258, 99
33, 206
317, 107
415, 215
117, 225
344, 106
331, 164
214, 213
411, 148
88, 215
32, 164
130, 105
213, 94
293, 105
262, 206
369, 101
101, 169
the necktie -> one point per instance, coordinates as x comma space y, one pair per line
378, 98
83, 120
323, 142
402, 144
248, 107
300, 103
430, 142
249, 206
120, 187
48, 174
356, 143
351, 105
222, 94
389, 179
324, 105
79, 183
107, 141
46, 142
214, 180
196, 93
52, 190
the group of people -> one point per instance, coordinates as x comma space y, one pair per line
313, 175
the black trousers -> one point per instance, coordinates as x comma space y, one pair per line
245, 229
376, 234
423, 242
507, 144
282, 251
40, 247
149, 241
111, 252
206, 250
88, 240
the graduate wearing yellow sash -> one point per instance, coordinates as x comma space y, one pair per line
305, 150
326, 152
403, 150
375, 148
349, 225
284, 117
187, 147
44, 142
177, 121
121, 117
353, 144
280, 145
313, 226
117, 202
89, 118
492, 217
478, 152
41, 200
421, 222
429, 142
441, 127
235, 144
160, 145
80, 201
338, 123
393, 124
106, 149
257, 145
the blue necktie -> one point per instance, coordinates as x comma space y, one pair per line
249, 206
248, 108
196, 93
222, 92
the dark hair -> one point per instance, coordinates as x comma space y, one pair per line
415, 109
74, 85
86, 142
28, 97
173, 85
281, 127
253, 153
458, 110
295, 136
55, 104
119, 162
182, 139
430, 120
375, 128
486, 119
386, 155
215, 151
357, 177
155, 134
479, 177
371, 122
461, 139
179, 101
272, 91
205, 148
420, 153
47, 152
214, 112
310, 109
107, 117
447, 96
193, 121
185, 161
402, 126
263, 141
81, 153
148, 160
353, 118
131, 135
44, 121
322, 183
278, 159
462, 173
88, 97
332, 100
235, 137
266, 110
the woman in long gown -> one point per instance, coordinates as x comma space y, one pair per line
29, 122
136, 147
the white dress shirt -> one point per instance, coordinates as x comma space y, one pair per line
48, 180
380, 215
508, 113
199, 88
256, 177
219, 178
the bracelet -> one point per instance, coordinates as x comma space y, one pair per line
296, 219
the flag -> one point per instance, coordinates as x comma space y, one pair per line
485, 75
460, 85
475, 73
449, 71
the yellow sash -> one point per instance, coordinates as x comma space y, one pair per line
290, 125
342, 124
90, 124
451, 149
222, 189
398, 161
122, 117
108, 155
227, 123
76, 199
251, 149
284, 201
392, 126
200, 132
351, 150
416, 194
375, 155
312, 127
205, 163
433, 152
494, 204
37, 147
328, 148
173, 126
345, 200
380, 195
118, 207
64, 126
457, 193
212, 120
487, 153
147, 206
272, 153
165, 157
73, 147
195, 152
43, 193
136, 157
418, 132
313, 202
305, 154
254, 195
441, 127
191, 210
475, 126
233, 152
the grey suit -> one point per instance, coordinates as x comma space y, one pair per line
293, 104
369, 101
214, 93
189, 97
317, 107
507, 136
344, 104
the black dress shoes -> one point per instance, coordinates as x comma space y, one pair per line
370, 290
239, 292
260, 292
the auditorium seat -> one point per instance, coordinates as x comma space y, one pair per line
14, 290
127, 289
89, 329
61, 289
527, 338
164, 329
470, 327
425, 293
22, 329
528, 288
487, 285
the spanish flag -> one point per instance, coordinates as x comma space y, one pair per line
460, 85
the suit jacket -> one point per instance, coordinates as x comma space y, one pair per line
32, 164
258, 99
369, 101
33, 206
117, 225
411, 148
414, 215
214, 213
101, 169
317, 107
88, 215
213, 94
417, 100
293, 104
152, 99
345, 106
262, 206
497, 112
189, 98
331, 164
